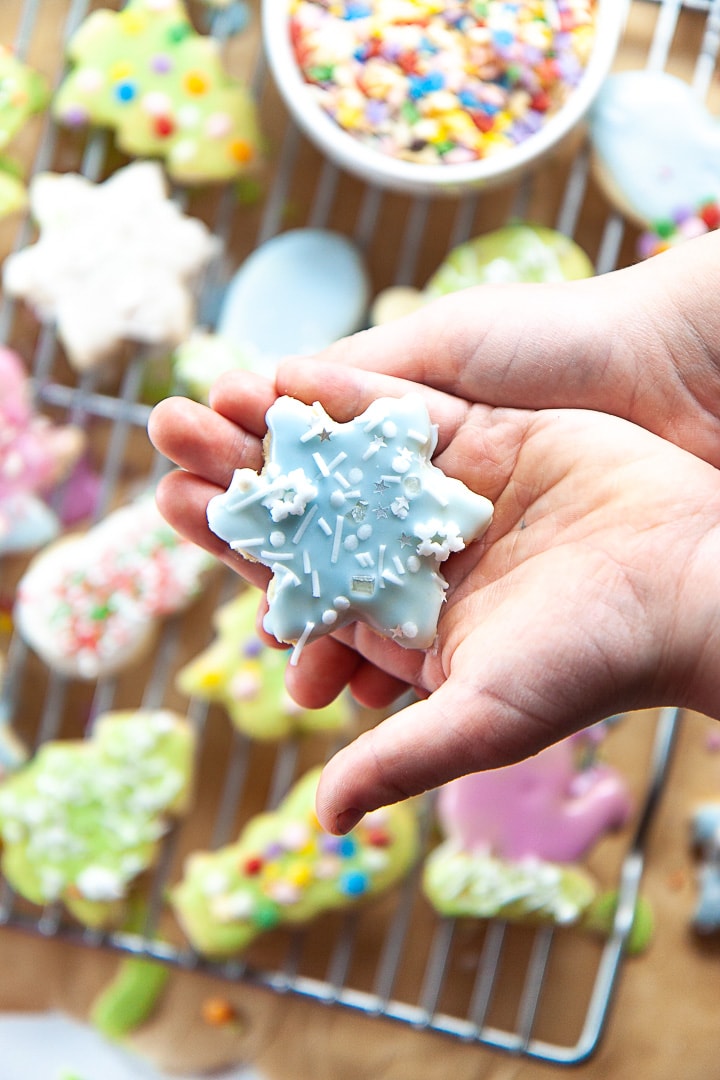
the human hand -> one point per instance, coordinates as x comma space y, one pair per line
591, 593
641, 343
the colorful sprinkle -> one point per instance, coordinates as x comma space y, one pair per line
685, 224
441, 80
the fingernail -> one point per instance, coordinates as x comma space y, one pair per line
347, 820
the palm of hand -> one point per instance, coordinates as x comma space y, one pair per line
557, 617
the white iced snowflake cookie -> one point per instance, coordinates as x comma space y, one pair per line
353, 519
115, 262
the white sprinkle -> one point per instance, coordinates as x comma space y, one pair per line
389, 429
418, 436
364, 558
437, 496
355, 475
409, 629
320, 462
372, 424
329, 616
315, 578
364, 532
337, 498
398, 564
413, 564
341, 479
337, 539
338, 460
324, 526
351, 542
387, 575
254, 541
301, 641
307, 565
304, 523
312, 433
341, 602
277, 538
278, 556
257, 496
381, 560
391, 479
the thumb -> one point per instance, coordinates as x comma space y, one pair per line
452, 732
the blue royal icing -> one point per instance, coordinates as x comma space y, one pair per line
353, 520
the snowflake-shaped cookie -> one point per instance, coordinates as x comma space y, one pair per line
115, 262
353, 520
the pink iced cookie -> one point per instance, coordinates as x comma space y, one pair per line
514, 835
35, 455
547, 807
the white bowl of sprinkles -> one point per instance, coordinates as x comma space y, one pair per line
439, 97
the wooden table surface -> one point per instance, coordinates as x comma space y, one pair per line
664, 1023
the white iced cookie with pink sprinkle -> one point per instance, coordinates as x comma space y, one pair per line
353, 519
90, 604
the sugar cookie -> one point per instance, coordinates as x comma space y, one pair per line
90, 604
297, 293
514, 253
12, 751
247, 677
202, 359
82, 820
35, 455
285, 869
656, 149
706, 838
513, 836
145, 73
115, 262
353, 520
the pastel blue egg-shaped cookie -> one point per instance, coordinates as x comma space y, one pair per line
296, 294
656, 147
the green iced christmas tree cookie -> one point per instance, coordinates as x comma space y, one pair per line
85, 818
285, 869
247, 677
145, 73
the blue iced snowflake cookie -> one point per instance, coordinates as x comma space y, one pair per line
353, 520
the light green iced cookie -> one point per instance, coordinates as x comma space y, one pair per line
461, 883
247, 677
512, 254
85, 818
162, 87
202, 359
13, 193
23, 92
286, 869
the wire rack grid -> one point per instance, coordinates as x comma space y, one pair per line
400, 961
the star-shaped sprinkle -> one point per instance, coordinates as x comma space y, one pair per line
115, 262
337, 550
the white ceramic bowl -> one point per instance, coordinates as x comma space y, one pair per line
375, 167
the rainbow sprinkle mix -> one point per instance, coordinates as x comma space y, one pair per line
446, 81
685, 224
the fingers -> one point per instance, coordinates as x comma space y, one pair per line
182, 500
414, 750
345, 392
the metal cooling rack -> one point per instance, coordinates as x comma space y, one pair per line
304, 190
